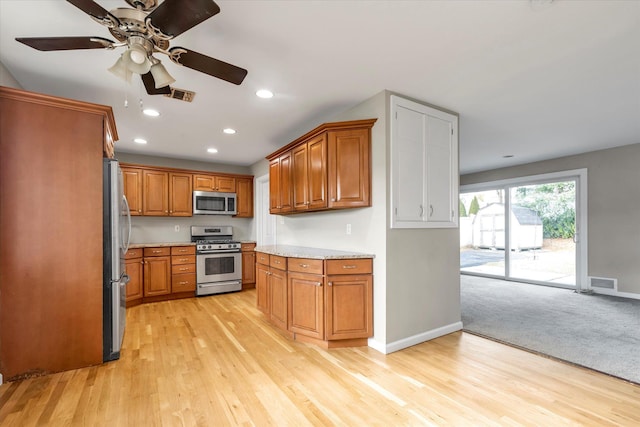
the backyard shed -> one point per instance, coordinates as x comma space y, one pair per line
488, 228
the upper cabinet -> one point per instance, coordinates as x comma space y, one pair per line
327, 168
424, 166
220, 183
158, 191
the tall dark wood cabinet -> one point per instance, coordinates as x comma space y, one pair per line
51, 152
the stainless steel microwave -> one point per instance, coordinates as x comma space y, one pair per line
214, 203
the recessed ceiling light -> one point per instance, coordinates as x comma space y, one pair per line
151, 113
212, 150
229, 131
140, 141
264, 93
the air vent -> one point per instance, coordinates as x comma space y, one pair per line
181, 94
603, 283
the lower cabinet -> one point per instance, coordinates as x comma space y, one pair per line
248, 265
157, 271
328, 302
183, 269
133, 267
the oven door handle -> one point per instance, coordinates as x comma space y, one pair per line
231, 251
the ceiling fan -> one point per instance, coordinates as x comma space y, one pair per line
145, 30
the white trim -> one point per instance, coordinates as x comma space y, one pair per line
415, 339
614, 293
261, 211
580, 175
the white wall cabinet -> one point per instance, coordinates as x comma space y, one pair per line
424, 166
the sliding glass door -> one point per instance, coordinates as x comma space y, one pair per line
525, 229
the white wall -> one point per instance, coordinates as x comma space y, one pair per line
7, 79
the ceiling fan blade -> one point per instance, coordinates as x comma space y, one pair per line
65, 43
91, 8
208, 65
174, 17
150, 85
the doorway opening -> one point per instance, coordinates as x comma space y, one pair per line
530, 229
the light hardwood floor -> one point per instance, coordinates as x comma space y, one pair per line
215, 361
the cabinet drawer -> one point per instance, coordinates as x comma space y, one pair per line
262, 258
183, 259
183, 250
350, 266
157, 251
278, 262
183, 268
306, 265
244, 247
183, 282
133, 253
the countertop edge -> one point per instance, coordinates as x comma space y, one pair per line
290, 251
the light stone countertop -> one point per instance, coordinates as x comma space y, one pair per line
290, 251
159, 244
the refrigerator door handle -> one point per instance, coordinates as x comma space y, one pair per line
126, 204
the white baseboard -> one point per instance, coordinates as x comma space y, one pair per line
615, 293
415, 339
1, 379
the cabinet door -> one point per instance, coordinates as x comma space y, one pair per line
225, 184
180, 195
306, 304
248, 269
132, 178
262, 288
244, 193
134, 271
183, 283
278, 297
156, 193
281, 193
204, 182
157, 276
349, 307
274, 186
424, 166
349, 174
317, 172
299, 178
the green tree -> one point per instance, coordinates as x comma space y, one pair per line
555, 204
474, 207
461, 209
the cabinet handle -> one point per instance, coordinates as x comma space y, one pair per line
156, 252
349, 266
304, 265
184, 259
330, 283
183, 283
421, 211
430, 210
165, 211
183, 269
141, 262
333, 199
139, 210
318, 283
276, 262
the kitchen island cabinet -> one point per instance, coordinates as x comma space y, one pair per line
328, 294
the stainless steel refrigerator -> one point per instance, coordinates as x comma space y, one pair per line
117, 233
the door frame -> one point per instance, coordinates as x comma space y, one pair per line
265, 222
577, 175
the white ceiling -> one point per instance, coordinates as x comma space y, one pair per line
533, 79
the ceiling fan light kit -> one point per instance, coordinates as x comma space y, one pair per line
145, 30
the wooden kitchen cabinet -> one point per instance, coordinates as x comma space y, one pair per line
155, 193
248, 265
134, 268
180, 194
280, 191
305, 308
328, 168
183, 270
132, 179
220, 183
157, 271
325, 301
244, 197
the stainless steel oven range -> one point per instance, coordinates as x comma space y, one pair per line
218, 260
